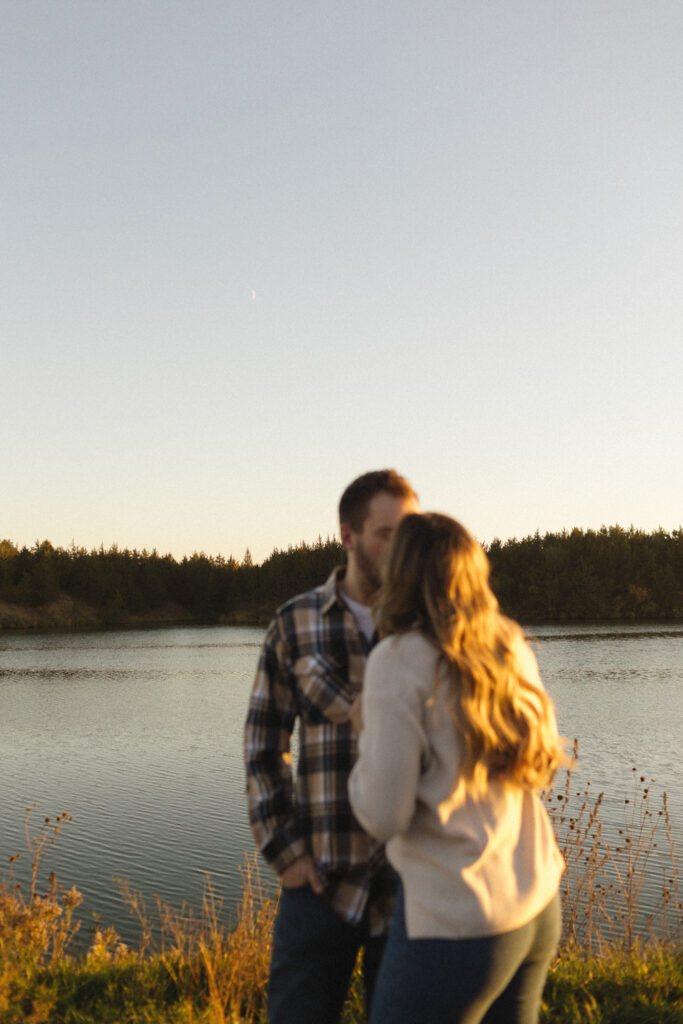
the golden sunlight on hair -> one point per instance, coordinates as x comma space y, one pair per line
437, 580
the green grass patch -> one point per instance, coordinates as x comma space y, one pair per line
641, 987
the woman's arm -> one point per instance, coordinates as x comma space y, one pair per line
383, 784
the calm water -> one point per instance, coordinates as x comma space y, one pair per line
138, 735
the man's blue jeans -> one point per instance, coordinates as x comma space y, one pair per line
314, 953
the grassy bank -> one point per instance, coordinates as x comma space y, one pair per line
199, 968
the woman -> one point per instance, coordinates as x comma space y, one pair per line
457, 736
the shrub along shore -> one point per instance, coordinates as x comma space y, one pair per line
616, 963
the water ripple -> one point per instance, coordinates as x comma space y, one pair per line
139, 737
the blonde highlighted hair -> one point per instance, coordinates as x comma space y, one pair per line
436, 580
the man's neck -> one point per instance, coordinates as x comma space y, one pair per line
357, 587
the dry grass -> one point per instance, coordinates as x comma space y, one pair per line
207, 958
35, 930
617, 963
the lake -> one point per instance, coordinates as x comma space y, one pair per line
138, 735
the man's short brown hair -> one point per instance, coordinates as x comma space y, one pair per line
355, 501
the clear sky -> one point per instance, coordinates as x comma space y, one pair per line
253, 248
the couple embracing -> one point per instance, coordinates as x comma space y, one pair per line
413, 828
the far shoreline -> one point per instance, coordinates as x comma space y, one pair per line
69, 615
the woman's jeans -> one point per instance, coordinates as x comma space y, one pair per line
498, 979
314, 953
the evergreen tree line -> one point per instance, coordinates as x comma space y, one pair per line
121, 584
611, 574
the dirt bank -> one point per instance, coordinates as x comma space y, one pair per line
68, 613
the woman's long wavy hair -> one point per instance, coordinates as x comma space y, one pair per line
437, 580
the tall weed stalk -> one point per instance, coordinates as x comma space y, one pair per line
602, 885
36, 930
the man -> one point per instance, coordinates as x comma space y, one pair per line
336, 884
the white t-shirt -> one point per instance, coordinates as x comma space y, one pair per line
363, 616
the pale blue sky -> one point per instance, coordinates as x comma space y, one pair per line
252, 249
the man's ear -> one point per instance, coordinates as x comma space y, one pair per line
345, 533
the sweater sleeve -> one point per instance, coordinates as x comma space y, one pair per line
383, 784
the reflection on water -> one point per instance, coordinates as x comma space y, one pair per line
138, 735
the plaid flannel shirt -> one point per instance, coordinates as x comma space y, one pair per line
311, 668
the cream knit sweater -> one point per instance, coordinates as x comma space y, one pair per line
469, 867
